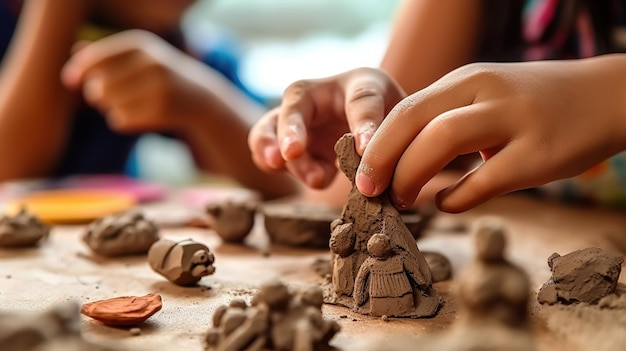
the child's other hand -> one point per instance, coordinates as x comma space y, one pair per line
300, 134
136, 79
531, 122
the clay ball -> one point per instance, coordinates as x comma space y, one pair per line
490, 241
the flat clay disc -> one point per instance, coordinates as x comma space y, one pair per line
124, 310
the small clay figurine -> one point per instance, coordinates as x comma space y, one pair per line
232, 220
361, 218
128, 233
440, 266
22, 230
277, 319
183, 263
384, 283
585, 275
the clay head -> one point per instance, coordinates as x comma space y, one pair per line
379, 246
490, 241
275, 294
313, 296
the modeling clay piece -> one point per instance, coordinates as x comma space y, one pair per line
123, 311
57, 329
440, 266
278, 319
183, 263
581, 276
23, 229
361, 218
128, 233
232, 220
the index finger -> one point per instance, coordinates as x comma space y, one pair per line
405, 121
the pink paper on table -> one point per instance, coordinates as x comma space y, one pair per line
141, 191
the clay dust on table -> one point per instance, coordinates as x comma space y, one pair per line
184, 262
128, 233
377, 266
22, 230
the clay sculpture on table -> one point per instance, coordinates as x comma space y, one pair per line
128, 233
232, 220
361, 218
585, 275
22, 230
124, 310
184, 262
277, 319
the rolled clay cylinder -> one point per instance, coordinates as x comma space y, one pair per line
232, 220
129, 233
183, 263
22, 230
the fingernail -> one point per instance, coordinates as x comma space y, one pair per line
365, 185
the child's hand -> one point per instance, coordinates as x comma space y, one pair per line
137, 80
300, 134
531, 122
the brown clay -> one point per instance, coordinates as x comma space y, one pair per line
183, 263
359, 277
128, 233
440, 266
305, 224
232, 220
57, 329
124, 310
585, 275
277, 319
493, 297
22, 230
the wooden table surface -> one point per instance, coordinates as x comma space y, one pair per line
63, 269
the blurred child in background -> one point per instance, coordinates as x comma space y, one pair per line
81, 80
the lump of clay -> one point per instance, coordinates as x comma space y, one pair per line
57, 329
129, 233
124, 310
277, 319
22, 230
232, 220
440, 266
183, 262
299, 224
377, 266
585, 275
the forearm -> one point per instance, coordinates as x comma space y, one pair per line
218, 138
34, 106
430, 38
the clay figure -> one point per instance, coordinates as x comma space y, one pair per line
128, 233
22, 230
361, 218
277, 319
232, 220
585, 275
384, 282
124, 310
184, 262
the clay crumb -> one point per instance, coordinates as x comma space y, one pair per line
384, 318
135, 331
343, 316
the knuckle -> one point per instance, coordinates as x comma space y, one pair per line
296, 91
